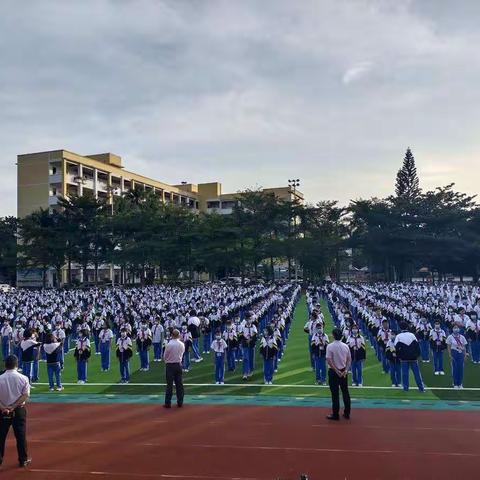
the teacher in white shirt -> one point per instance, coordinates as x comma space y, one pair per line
173, 369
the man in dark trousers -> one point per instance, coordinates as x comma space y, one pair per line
172, 356
14, 392
338, 360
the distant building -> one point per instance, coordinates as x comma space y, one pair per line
44, 177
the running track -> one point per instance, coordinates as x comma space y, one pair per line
226, 442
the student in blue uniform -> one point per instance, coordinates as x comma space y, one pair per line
144, 341
28, 346
358, 352
268, 350
438, 345
408, 351
158, 333
53, 349
319, 342
382, 339
82, 354
186, 338
423, 335
230, 337
248, 339
395, 366
6, 334
457, 349
219, 347
472, 334
124, 354
105, 342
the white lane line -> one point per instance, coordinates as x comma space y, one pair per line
134, 475
256, 385
270, 448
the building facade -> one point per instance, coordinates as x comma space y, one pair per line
44, 177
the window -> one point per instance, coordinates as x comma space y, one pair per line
54, 170
213, 204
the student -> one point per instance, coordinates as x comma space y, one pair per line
124, 354
193, 324
157, 340
423, 335
472, 333
96, 329
408, 350
17, 338
82, 354
206, 330
28, 345
358, 353
395, 366
6, 334
230, 337
105, 342
268, 350
248, 340
309, 329
59, 335
319, 348
67, 328
438, 345
382, 339
186, 338
219, 347
457, 349
53, 350
144, 341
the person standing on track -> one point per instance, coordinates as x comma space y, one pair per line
14, 392
173, 369
339, 361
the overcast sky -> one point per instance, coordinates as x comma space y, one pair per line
249, 93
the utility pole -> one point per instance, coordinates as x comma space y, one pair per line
293, 184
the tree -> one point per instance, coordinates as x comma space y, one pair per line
8, 249
407, 185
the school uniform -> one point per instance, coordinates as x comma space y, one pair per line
382, 339
193, 325
17, 338
6, 333
124, 354
458, 345
207, 333
438, 345
186, 338
105, 341
319, 348
219, 347
28, 346
395, 366
423, 335
231, 338
356, 343
82, 354
472, 333
144, 341
96, 329
248, 338
60, 336
268, 349
52, 352
67, 327
408, 350
157, 338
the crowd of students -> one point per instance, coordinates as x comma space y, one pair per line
232, 321
402, 323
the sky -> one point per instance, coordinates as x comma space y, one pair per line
249, 93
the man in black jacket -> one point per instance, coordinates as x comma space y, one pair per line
408, 351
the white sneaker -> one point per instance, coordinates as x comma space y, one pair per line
460, 387
52, 389
456, 387
217, 383
437, 373
442, 373
360, 385
81, 382
222, 383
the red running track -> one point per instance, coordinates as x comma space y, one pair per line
244, 443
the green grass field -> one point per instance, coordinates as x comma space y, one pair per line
294, 377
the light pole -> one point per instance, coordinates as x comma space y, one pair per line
112, 191
293, 184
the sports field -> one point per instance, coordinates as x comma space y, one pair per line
293, 379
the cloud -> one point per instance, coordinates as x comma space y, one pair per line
356, 72
244, 92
